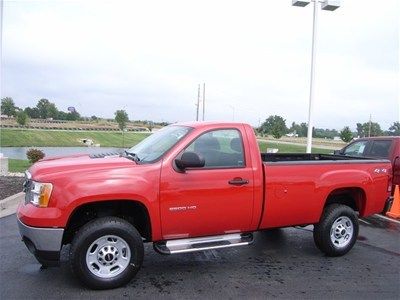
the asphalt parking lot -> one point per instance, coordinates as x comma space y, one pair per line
281, 263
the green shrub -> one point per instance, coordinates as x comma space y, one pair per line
34, 155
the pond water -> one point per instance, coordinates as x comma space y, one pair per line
20, 152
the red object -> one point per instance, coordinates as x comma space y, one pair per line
385, 147
202, 202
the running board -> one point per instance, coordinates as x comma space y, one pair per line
203, 243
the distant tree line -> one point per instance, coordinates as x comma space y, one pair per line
276, 126
44, 109
273, 125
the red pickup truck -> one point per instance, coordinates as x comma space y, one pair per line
190, 187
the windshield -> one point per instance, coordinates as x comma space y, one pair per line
154, 146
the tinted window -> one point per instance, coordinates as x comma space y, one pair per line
356, 149
380, 149
220, 148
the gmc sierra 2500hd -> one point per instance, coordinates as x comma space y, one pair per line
190, 187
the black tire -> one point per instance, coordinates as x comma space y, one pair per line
89, 233
322, 230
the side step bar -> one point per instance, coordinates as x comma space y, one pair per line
203, 243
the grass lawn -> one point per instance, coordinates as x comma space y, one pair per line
53, 138
43, 138
18, 165
287, 148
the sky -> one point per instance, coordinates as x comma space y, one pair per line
148, 57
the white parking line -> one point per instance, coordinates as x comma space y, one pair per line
361, 220
387, 219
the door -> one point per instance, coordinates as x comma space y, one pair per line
357, 148
380, 149
215, 199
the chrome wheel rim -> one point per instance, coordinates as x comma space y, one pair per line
108, 256
342, 231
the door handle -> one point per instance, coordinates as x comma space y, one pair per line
238, 181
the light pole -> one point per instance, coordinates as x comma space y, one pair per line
326, 5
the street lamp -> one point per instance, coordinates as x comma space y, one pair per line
325, 5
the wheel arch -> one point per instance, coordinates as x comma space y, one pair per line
354, 197
133, 211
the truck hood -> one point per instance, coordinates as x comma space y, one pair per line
63, 165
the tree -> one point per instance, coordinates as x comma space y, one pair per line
121, 117
346, 135
360, 130
303, 130
22, 118
32, 113
274, 125
62, 115
295, 128
73, 116
8, 107
395, 129
278, 131
325, 133
47, 109
364, 130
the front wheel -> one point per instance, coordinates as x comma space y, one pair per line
106, 253
337, 231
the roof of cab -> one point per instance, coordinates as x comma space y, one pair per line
378, 138
201, 124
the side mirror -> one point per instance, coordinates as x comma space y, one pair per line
189, 160
338, 152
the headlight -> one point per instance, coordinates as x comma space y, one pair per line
39, 194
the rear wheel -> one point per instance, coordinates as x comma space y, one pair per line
337, 231
106, 253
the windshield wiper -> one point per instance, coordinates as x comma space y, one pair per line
134, 156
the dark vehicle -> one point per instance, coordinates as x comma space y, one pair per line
386, 147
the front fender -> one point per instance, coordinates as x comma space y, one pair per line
140, 184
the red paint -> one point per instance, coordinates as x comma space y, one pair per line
201, 202
393, 154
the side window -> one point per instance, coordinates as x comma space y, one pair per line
380, 149
356, 149
220, 148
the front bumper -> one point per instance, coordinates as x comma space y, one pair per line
44, 243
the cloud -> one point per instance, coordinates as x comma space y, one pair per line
149, 56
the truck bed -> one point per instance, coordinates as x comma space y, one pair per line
308, 158
298, 185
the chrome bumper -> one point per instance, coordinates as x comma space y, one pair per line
44, 243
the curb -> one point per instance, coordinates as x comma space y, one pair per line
8, 206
